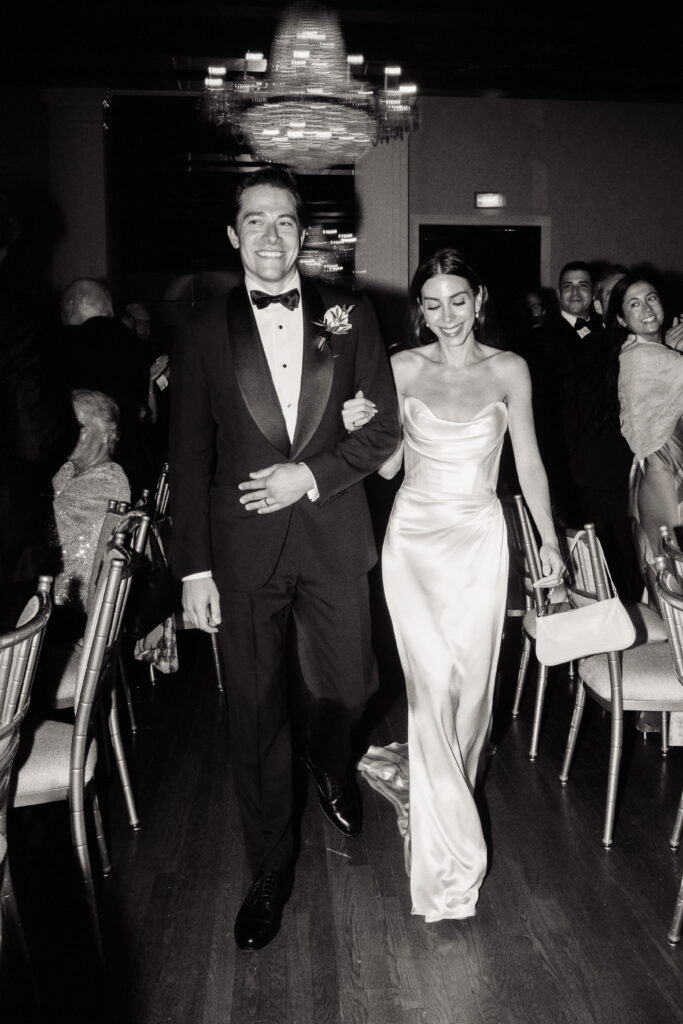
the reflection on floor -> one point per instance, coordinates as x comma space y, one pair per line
565, 932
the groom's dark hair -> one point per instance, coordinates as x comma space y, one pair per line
277, 177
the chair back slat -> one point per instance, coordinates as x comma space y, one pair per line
603, 588
581, 566
672, 553
532, 555
161, 494
128, 530
103, 626
670, 599
19, 650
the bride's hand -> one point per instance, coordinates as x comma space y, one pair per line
552, 563
357, 411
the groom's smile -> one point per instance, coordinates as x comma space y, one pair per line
268, 235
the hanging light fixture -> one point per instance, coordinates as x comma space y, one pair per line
310, 112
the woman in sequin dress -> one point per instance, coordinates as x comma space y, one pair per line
82, 489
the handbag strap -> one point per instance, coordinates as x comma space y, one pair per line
575, 540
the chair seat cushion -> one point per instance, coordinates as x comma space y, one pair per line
650, 628
43, 761
649, 681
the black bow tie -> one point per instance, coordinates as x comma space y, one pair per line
290, 299
580, 324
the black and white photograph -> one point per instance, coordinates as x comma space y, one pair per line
341, 513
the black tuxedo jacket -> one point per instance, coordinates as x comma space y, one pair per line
226, 422
568, 377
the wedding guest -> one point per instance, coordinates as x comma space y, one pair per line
137, 318
646, 379
603, 284
550, 353
101, 354
36, 425
445, 567
83, 487
535, 308
590, 458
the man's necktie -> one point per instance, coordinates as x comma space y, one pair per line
580, 324
290, 299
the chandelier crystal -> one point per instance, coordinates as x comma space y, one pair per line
310, 112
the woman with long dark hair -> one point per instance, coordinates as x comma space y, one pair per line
445, 565
646, 388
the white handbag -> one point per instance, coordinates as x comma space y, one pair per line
593, 628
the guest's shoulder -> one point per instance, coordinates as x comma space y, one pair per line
112, 476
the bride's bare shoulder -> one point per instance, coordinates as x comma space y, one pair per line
407, 363
413, 357
503, 360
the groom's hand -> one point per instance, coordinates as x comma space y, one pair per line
201, 604
276, 487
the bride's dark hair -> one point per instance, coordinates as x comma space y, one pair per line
445, 261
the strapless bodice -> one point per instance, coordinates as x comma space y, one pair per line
452, 457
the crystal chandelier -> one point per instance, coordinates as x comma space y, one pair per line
310, 112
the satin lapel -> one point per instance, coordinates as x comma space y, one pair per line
316, 370
251, 369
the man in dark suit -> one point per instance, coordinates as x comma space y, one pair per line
270, 520
589, 459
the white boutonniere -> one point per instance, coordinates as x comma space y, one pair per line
335, 321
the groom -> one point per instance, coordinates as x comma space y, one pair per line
270, 520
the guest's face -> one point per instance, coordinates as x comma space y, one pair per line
450, 308
535, 307
576, 292
267, 234
602, 294
642, 311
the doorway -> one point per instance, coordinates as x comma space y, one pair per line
511, 258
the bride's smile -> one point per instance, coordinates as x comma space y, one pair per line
450, 307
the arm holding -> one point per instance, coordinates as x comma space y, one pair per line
363, 451
530, 470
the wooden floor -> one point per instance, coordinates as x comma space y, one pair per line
564, 932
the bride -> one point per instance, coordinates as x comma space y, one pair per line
445, 565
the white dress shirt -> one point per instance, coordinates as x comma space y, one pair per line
282, 337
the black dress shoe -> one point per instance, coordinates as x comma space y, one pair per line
258, 919
339, 800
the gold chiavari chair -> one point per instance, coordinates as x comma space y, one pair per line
125, 530
56, 760
669, 592
641, 678
19, 652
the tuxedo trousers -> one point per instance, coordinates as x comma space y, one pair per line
333, 657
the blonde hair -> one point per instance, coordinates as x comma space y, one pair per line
100, 407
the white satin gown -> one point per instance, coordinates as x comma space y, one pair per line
445, 566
